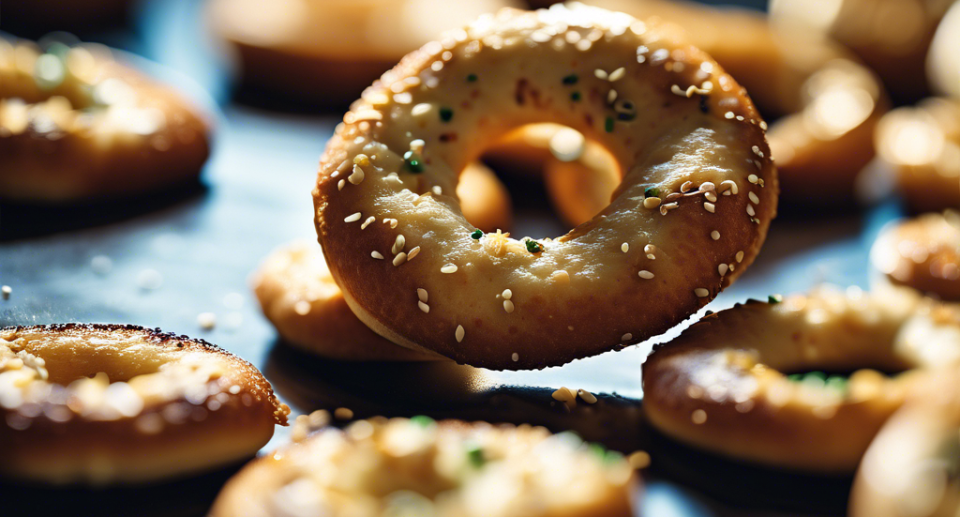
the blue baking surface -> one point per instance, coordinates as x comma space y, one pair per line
192, 251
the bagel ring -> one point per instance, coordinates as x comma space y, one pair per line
422, 467
723, 385
110, 404
910, 469
921, 255
698, 194
76, 125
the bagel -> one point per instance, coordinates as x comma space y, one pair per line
110, 404
723, 385
910, 469
921, 146
943, 64
76, 125
420, 467
825, 104
698, 194
921, 255
327, 52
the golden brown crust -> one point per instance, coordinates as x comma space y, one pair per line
702, 140
91, 127
446, 469
922, 254
119, 404
721, 385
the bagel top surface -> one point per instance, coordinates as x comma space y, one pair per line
416, 466
923, 254
667, 112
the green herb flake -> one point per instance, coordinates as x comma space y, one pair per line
651, 192
571, 79
608, 125
533, 246
412, 162
446, 114
475, 455
774, 299
422, 420
477, 234
575, 96
472, 78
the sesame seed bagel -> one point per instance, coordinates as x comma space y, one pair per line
420, 467
109, 404
657, 104
76, 125
723, 384
921, 254
921, 146
912, 468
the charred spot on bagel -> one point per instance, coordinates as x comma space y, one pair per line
448, 137
570, 79
575, 96
705, 103
472, 78
446, 114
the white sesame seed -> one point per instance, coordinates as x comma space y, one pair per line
420, 109
423, 295
376, 254
508, 306
357, 175
207, 320
398, 244
515, 357
651, 202
459, 333
423, 307
715, 235
644, 274
449, 268
667, 207
413, 253
399, 259
712, 208
611, 96
625, 247
507, 294
754, 198
393, 223
587, 397
740, 118
677, 90
437, 190
708, 186
352, 218
673, 195
756, 150
711, 197
701, 292
602, 75
739, 257
763, 125
626, 337
687, 185
340, 184
650, 248
368, 222
750, 211
753, 178
617, 74
729, 187
722, 269
728, 115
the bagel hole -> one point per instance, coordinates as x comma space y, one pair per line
556, 178
839, 379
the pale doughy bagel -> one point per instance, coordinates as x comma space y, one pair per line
828, 104
383, 467
76, 125
912, 468
328, 51
943, 63
922, 255
722, 385
108, 404
680, 128
921, 145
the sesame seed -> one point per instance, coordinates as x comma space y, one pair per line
739, 257
729, 186
420, 109
754, 198
507, 294
740, 118
756, 150
753, 178
399, 259
342, 413
677, 90
437, 190
651, 202
728, 115
361, 159
449, 268
459, 333
413, 253
673, 195
712, 208
398, 244
423, 295
763, 125
701, 292
644, 274
423, 307
711, 197
722, 269
639, 460
687, 185
699, 416
617, 74
340, 184
368, 222
602, 75
393, 223
352, 218
715, 235
667, 207
376, 254
650, 248
625, 247
207, 320
515, 357
357, 175
611, 96
626, 337
750, 211
564, 395
508, 306
586, 396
